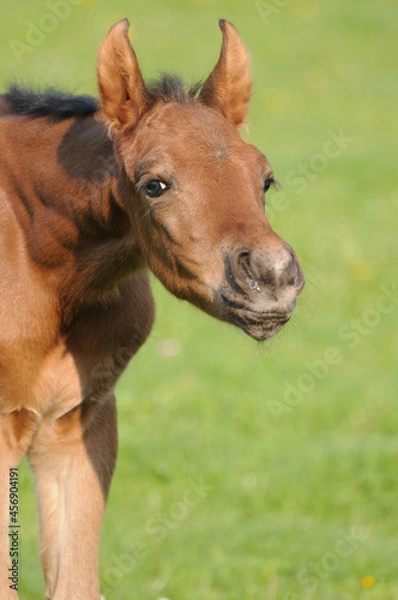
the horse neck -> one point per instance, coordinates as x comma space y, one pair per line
68, 201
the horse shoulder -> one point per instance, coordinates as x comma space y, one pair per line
101, 341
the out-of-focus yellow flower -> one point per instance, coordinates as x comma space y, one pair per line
368, 581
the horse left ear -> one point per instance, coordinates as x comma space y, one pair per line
122, 89
228, 87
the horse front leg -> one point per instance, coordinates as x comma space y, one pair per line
73, 460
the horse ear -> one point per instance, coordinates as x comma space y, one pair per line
227, 89
122, 90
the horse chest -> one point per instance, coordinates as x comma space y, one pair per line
84, 363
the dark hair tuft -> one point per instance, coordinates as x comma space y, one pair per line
170, 88
49, 103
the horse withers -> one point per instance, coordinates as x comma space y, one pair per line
92, 194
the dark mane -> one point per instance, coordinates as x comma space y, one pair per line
49, 103
170, 88
62, 105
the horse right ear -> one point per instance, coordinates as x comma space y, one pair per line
123, 94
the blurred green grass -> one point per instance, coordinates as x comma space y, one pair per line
278, 487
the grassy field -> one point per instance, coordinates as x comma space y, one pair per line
251, 472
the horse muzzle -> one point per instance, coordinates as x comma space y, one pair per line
260, 289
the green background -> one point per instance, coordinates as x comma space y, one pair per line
291, 446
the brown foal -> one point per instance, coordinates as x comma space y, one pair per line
91, 196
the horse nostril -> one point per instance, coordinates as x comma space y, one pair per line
243, 262
253, 270
247, 271
293, 275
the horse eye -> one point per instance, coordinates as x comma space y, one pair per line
268, 183
155, 188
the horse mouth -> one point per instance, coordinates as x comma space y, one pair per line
259, 325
